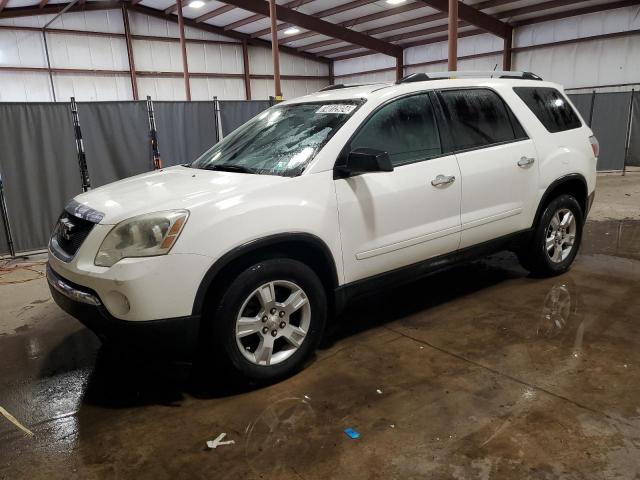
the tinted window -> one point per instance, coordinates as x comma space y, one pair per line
551, 108
479, 118
406, 129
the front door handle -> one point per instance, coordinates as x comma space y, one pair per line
526, 161
441, 180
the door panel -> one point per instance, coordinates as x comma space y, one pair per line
497, 164
393, 219
497, 193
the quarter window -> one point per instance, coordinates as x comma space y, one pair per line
406, 129
551, 107
479, 118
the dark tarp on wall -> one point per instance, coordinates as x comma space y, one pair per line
4, 245
39, 166
116, 140
582, 101
185, 130
610, 119
234, 113
634, 145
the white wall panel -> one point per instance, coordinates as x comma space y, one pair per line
223, 88
361, 64
24, 87
618, 20
21, 49
161, 88
211, 58
591, 63
92, 88
261, 89
377, 77
261, 63
87, 52
298, 88
97, 21
157, 56
142, 24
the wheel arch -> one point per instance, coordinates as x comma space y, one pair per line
303, 247
574, 184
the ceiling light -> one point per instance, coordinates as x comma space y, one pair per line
292, 31
196, 4
395, 2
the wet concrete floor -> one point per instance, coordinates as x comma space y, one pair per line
482, 372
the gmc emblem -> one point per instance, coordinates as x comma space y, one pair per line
66, 228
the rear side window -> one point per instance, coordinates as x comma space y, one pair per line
406, 129
479, 118
551, 107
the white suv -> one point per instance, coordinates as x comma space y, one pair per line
323, 198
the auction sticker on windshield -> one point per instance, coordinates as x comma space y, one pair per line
342, 109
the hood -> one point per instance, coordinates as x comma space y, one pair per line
172, 188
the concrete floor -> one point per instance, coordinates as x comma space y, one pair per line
482, 372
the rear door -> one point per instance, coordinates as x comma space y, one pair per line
498, 164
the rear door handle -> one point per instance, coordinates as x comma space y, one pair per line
526, 161
441, 180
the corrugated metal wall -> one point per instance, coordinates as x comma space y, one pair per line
26, 49
585, 64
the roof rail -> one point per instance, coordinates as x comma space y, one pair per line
421, 77
338, 86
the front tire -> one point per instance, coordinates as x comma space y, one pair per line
556, 239
270, 319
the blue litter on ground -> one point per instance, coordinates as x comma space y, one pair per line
352, 433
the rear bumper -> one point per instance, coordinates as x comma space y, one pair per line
176, 334
590, 199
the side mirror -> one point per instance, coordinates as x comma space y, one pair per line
365, 160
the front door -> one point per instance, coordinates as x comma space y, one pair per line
393, 219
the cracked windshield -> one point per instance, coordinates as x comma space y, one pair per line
280, 141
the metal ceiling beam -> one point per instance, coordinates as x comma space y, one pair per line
254, 18
3, 3
218, 30
43, 3
579, 11
473, 16
321, 14
55, 8
398, 25
320, 26
363, 19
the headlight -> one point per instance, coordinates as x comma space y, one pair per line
143, 236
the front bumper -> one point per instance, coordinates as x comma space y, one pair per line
179, 334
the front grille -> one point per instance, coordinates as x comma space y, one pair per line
69, 234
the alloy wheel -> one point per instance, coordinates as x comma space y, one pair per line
273, 322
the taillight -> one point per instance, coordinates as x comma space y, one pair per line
595, 145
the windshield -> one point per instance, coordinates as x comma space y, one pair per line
281, 140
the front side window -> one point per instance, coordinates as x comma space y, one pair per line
280, 141
551, 107
479, 118
406, 129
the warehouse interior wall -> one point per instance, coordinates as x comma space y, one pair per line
584, 65
107, 55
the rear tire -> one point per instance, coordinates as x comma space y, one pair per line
270, 319
556, 239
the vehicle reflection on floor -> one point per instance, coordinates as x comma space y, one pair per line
476, 372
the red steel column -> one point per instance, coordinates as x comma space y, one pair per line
132, 65
183, 47
453, 35
274, 48
506, 53
247, 72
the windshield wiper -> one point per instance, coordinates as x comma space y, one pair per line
226, 167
